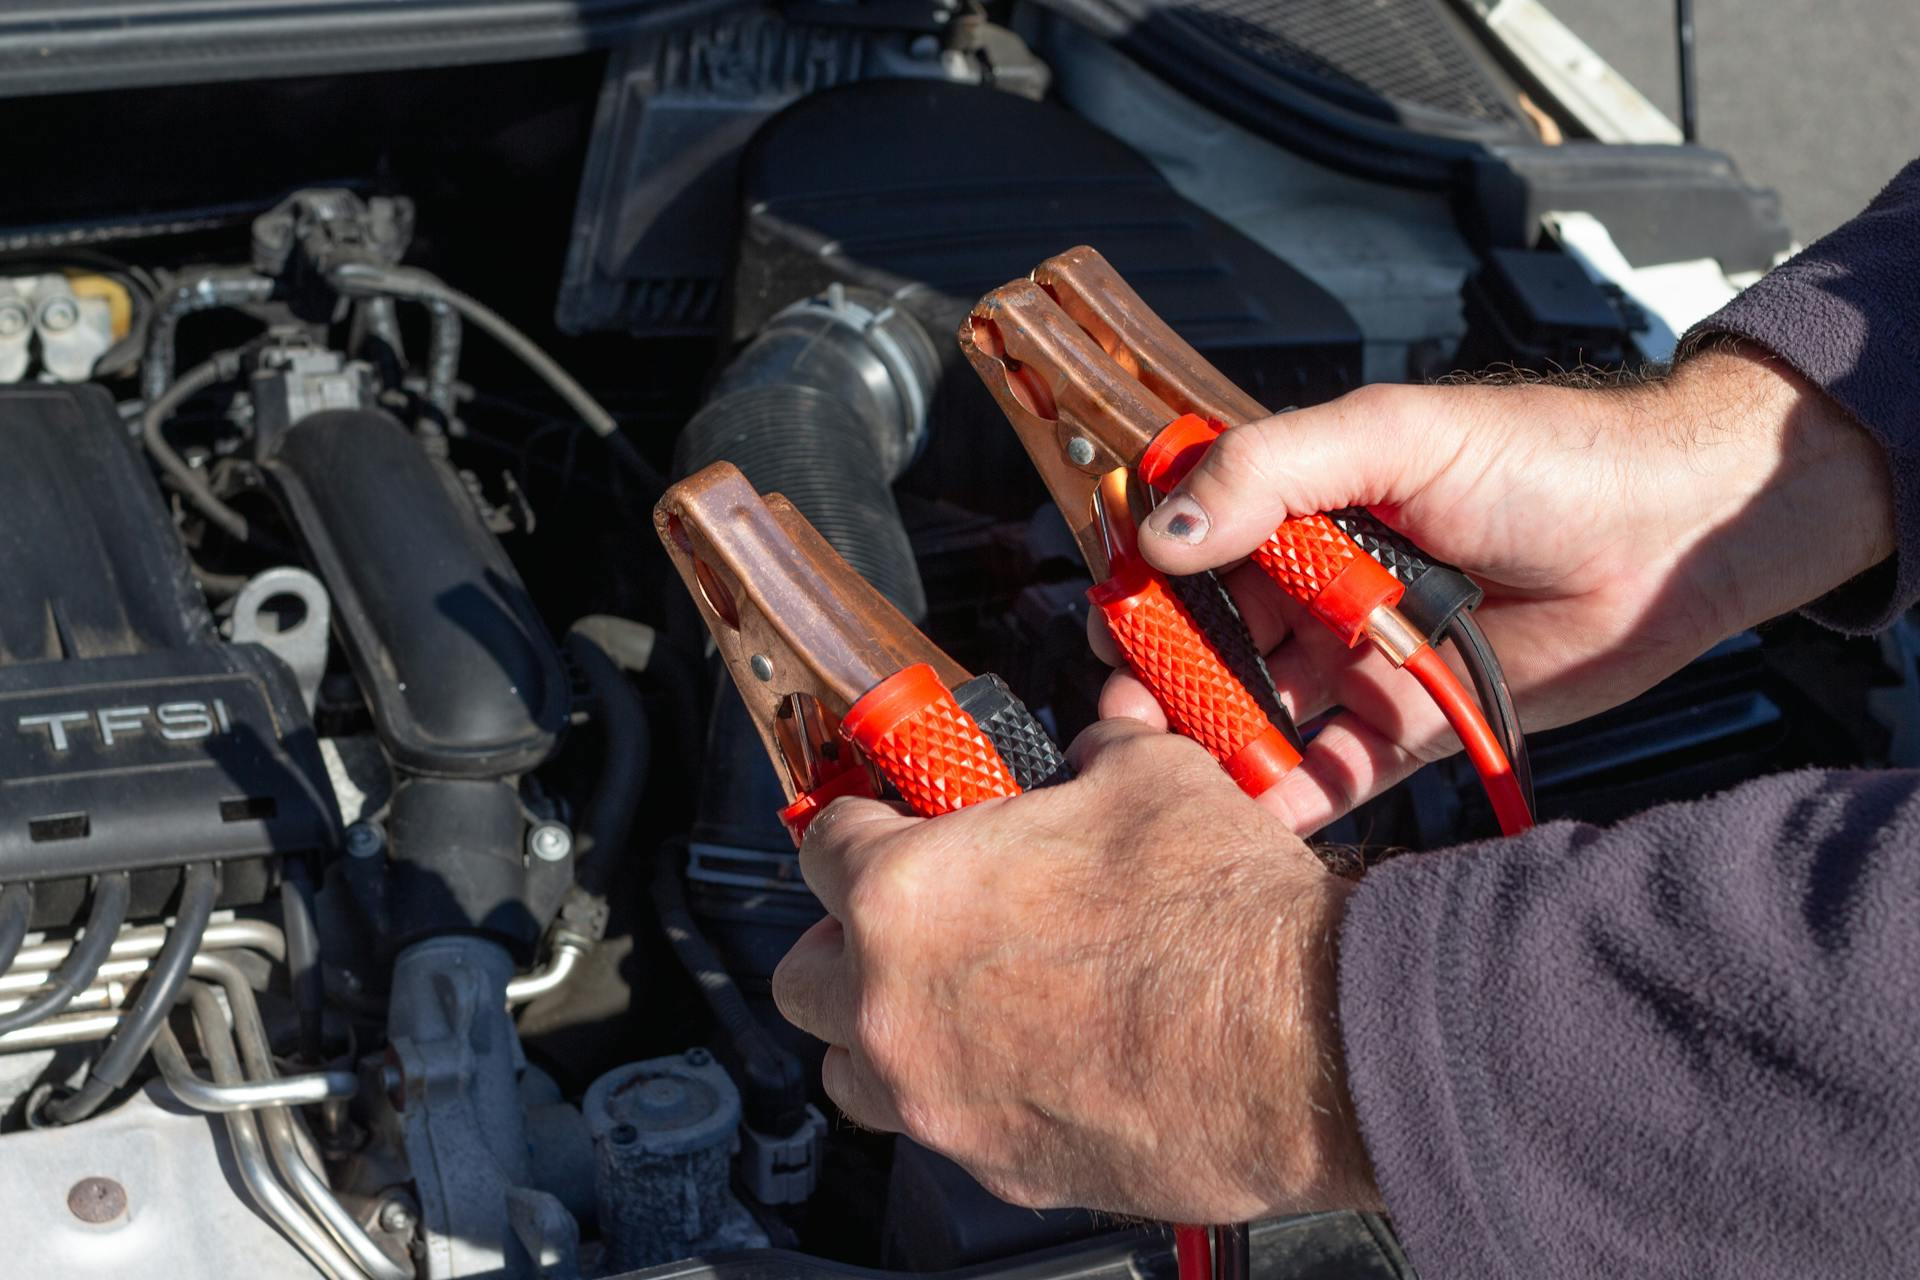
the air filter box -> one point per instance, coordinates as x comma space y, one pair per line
935, 193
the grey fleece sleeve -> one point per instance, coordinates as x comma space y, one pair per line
1845, 313
1687, 1045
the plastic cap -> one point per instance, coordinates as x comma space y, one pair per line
1262, 762
891, 703
1177, 450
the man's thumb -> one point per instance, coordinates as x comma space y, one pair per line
1257, 475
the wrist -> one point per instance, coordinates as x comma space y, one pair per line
1791, 498
1310, 1153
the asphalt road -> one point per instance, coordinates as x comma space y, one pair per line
1819, 99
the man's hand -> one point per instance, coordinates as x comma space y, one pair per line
1117, 993
1618, 532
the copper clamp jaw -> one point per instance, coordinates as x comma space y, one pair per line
845, 693
1088, 375
801, 632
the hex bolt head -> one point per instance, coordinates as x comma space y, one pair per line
550, 842
397, 1216
697, 1057
762, 667
365, 840
394, 1081
59, 315
1079, 451
15, 319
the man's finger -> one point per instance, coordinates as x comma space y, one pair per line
1271, 614
1104, 735
855, 1091
1100, 640
812, 984
1257, 475
1347, 762
841, 842
1124, 697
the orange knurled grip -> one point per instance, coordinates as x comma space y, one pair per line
1169, 654
1310, 557
926, 746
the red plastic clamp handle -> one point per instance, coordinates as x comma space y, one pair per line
1169, 654
1308, 557
926, 746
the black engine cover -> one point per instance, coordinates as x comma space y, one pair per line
131, 737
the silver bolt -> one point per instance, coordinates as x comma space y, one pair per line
394, 1081
762, 667
14, 319
398, 1217
365, 840
1079, 451
59, 315
550, 842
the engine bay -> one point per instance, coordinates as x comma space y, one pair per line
390, 879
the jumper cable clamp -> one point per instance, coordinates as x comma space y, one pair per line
845, 693
1108, 402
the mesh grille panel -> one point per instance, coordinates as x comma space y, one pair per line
1400, 50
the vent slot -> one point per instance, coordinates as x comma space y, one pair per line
249, 809
65, 826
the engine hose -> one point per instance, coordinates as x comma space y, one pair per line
16, 912
443, 357
110, 897
606, 827
193, 485
775, 1092
215, 289
116, 1063
359, 279
380, 335
827, 405
303, 958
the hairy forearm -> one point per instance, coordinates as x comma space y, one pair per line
1320, 1162
1785, 497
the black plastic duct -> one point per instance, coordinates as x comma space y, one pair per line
827, 405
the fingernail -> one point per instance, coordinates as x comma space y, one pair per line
1180, 519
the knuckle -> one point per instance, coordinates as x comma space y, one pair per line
874, 1036
1145, 753
1014, 1190
925, 1125
1374, 399
1244, 457
886, 890
832, 829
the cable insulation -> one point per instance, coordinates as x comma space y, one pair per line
1195, 1256
111, 895
1496, 697
1483, 748
159, 992
16, 912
